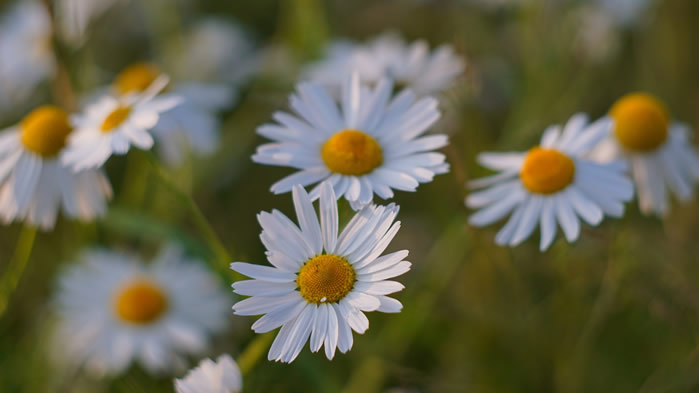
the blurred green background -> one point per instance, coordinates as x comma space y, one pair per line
618, 311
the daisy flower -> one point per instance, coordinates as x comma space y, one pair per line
321, 284
115, 310
551, 183
660, 152
193, 124
222, 376
112, 124
26, 51
371, 144
411, 65
34, 185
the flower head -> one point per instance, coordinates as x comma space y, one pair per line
551, 184
222, 376
371, 144
659, 151
34, 184
321, 284
115, 310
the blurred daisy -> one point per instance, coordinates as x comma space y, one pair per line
74, 16
321, 283
214, 50
115, 310
112, 124
34, 185
660, 152
26, 51
191, 125
222, 376
551, 183
371, 144
411, 65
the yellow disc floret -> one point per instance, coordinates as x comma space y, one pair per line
140, 302
326, 278
136, 78
640, 122
114, 119
547, 171
351, 152
44, 131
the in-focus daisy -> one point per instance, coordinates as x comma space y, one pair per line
551, 183
34, 184
115, 310
112, 124
222, 376
191, 125
410, 65
26, 52
371, 144
321, 284
660, 152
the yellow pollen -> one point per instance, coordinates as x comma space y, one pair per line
640, 122
44, 131
547, 171
351, 152
114, 119
326, 278
135, 78
141, 302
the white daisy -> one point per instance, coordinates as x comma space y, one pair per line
34, 185
26, 52
371, 144
114, 310
550, 183
192, 125
660, 152
410, 65
222, 376
112, 124
321, 283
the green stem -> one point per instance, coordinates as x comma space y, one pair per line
17, 265
223, 257
254, 351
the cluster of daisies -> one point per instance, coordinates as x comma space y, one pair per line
359, 128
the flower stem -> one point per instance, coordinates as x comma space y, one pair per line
222, 256
17, 265
254, 351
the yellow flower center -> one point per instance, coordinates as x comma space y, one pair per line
351, 152
326, 278
44, 131
641, 122
136, 78
547, 171
141, 302
114, 119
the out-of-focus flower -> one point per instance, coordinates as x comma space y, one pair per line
624, 12
659, 151
411, 65
112, 124
597, 36
26, 52
550, 183
34, 184
214, 50
73, 17
321, 283
115, 310
222, 376
371, 144
191, 125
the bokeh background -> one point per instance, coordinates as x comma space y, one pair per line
618, 311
